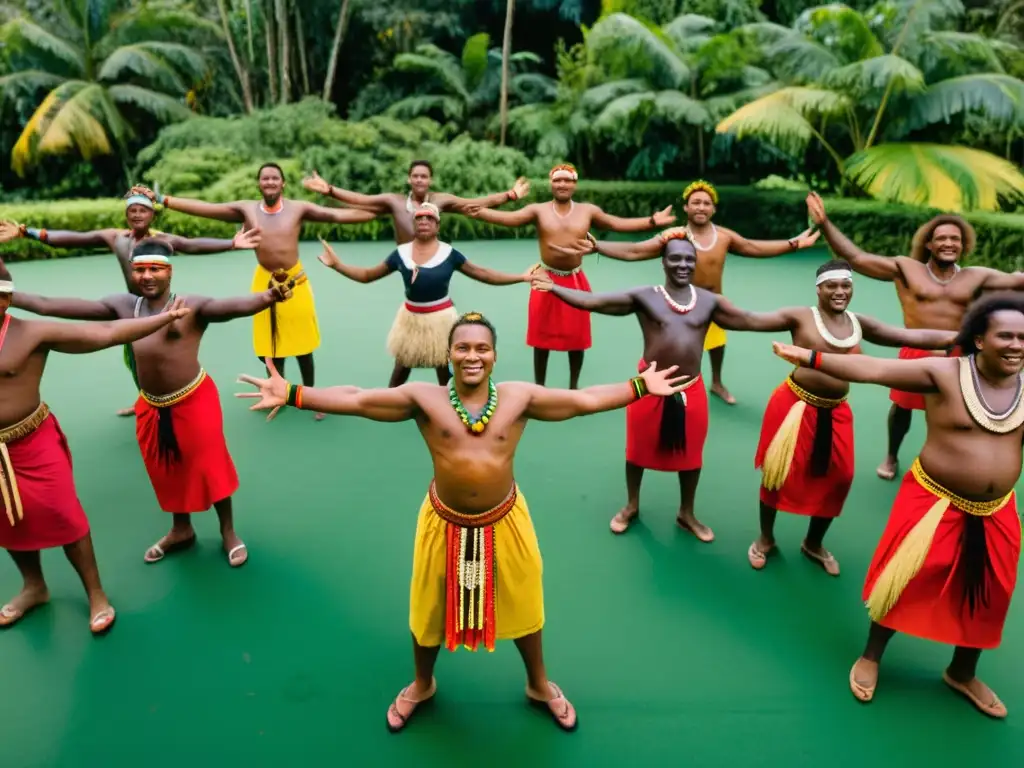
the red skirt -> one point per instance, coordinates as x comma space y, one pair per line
803, 493
643, 431
52, 515
914, 401
201, 472
553, 324
931, 606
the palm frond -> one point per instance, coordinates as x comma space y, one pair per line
536, 127
959, 52
144, 63
763, 33
719, 107
532, 86
596, 98
1000, 98
164, 108
841, 29
783, 118
938, 176
27, 83
450, 107
431, 61
22, 36
626, 47
875, 75
678, 108
801, 60
162, 22
625, 118
690, 31
65, 119
474, 59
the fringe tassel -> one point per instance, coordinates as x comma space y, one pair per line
778, 459
905, 562
469, 588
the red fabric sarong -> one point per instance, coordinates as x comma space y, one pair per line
52, 515
802, 493
554, 325
914, 401
205, 473
643, 427
931, 605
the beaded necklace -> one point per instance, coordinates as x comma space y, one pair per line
475, 424
674, 305
979, 410
698, 246
849, 342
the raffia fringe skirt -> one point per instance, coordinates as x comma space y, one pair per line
420, 339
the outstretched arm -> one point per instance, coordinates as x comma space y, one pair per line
68, 309
906, 375
82, 338
386, 203
763, 249
491, 276
867, 264
602, 303
447, 201
244, 240
360, 274
58, 238
318, 213
627, 251
234, 211
732, 318
606, 221
994, 280
525, 215
222, 310
886, 335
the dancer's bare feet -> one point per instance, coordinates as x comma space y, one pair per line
22, 604
719, 390
979, 694
555, 703
102, 614
823, 557
759, 551
406, 703
624, 518
864, 679
887, 469
175, 541
689, 522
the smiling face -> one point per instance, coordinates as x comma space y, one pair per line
419, 181
153, 280
562, 189
139, 217
946, 244
1001, 347
679, 260
472, 354
271, 185
699, 208
426, 227
834, 295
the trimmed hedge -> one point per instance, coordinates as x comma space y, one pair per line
763, 214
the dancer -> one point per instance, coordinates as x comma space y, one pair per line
713, 243
290, 330
41, 506
806, 448
419, 334
139, 214
402, 209
665, 434
946, 567
179, 425
472, 428
933, 291
554, 326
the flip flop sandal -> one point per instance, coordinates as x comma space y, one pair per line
161, 553
233, 552
103, 621
693, 531
829, 563
862, 693
620, 524
9, 615
416, 704
559, 717
994, 709
758, 557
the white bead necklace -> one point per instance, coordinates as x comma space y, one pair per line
850, 341
697, 245
674, 305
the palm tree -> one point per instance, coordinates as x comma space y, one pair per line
862, 88
93, 60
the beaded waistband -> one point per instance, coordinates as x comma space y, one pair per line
26, 426
976, 508
812, 399
482, 520
562, 272
166, 401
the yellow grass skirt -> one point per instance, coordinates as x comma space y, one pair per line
715, 337
298, 332
420, 339
519, 594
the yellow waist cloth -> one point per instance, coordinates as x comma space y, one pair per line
297, 330
518, 590
715, 337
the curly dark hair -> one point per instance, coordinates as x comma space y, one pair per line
473, 318
976, 321
923, 236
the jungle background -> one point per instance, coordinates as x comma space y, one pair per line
890, 109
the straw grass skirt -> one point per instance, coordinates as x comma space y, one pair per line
420, 339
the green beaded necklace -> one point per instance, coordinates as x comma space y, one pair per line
476, 425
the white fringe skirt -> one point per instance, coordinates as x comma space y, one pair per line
420, 339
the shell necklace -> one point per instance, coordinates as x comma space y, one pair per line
412, 207
937, 279
475, 424
697, 245
974, 400
674, 305
572, 207
849, 342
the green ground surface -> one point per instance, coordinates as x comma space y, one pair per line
671, 650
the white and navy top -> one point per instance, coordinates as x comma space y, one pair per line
432, 278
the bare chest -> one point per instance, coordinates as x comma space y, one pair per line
566, 225
838, 335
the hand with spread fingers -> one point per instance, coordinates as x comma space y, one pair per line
328, 258
582, 247
272, 392
139, 189
805, 239
663, 218
246, 239
10, 230
177, 308
315, 183
662, 383
816, 208
540, 280
521, 188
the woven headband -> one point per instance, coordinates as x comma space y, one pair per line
834, 274
6, 286
428, 209
151, 260
138, 200
566, 172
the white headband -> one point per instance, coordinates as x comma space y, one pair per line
6, 286
564, 173
138, 200
151, 258
834, 274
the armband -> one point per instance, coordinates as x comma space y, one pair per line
639, 387
294, 396
35, 234
815, 360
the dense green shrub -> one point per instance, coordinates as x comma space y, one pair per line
763, 214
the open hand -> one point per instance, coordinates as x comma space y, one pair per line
177, 309
816, 208
662, 218
521, 188
805, 239
245, 239
540, 280
9, 231
272, 392
578, 249
789, 353
328, 258
662, 383
139, 189
315, 184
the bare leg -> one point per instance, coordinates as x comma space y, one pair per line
443, 375
181, 536
540, 365
961, 676
717, 356
626, 515
575, 368
864, 675
538, 688
399, 375
83, 560
686, 518
420, 690
238, 553
307, 369
899, 425
33, 593
757, 555
812, 547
